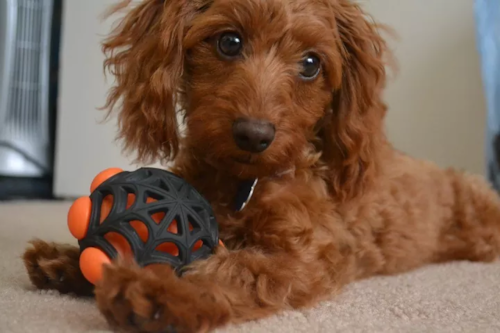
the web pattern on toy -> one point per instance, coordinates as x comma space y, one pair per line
154, 193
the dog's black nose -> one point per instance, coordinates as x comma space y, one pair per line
253, 135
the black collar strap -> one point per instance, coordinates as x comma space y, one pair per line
247, 187
244, 193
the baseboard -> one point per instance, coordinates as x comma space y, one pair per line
15, 188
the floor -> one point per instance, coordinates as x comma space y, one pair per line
456, 297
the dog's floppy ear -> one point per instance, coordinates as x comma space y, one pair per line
145, 55
352, 134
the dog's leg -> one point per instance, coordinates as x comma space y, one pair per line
55, 266
473, 232
297, 253
229, 287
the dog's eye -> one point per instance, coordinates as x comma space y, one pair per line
310, 66
230, 44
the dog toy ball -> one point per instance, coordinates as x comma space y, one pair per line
149, 215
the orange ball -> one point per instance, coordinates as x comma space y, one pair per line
103, 176
79, 217
91, 261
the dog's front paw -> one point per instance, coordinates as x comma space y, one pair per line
145, 300
55, 266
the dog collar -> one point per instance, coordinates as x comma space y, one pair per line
247, 187
244, 193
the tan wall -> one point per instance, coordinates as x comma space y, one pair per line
437, 109
436, 103
84, 147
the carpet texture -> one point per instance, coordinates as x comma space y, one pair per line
456, 297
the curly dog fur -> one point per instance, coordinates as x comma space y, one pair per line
334, 203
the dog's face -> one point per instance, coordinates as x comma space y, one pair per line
258, 80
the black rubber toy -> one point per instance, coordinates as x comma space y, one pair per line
172, 196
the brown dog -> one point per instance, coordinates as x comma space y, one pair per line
287, 92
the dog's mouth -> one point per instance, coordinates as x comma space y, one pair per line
248, 160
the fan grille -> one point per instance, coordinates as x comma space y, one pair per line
25, 116
25, 69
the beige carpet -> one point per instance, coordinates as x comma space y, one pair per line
458, 297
